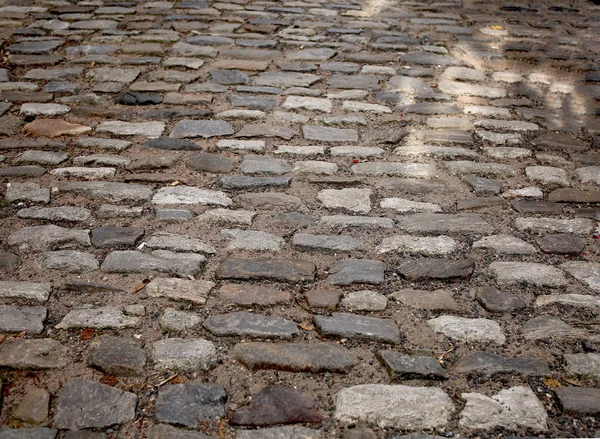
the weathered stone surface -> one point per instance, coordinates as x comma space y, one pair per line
27, 192
179, 243
99, 318
504, 245
586, 272
358, 327
164, 431
365, 300
195, 291
250, 325
561, 243
436, 268
427, 246
204, 161
168, 143
111, 191
513, 273
253, 240
39, 292
445, 224
327, 134
323, 299
579, 400
423, 299
174, 320
28, 433
308, 357
463, 329
201, 128
276, 269
345, 221
129, 261
583, 364
22, 318
277, 405
498, 301
576, 300
190, 404
266, 130
403, 407
569, 195
401, 366
71, 261
103, 237
252, 295
407, 170
487, 364
548, 327
353, 200
510, 408
286, 432
62, 213
190, 195
86, 404
333, 243
184, 354
33, 354
33, 409
351, 271
8, 261
116, 356
269, 200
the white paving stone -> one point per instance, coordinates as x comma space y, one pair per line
463, 329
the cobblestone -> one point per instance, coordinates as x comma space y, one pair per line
286, 173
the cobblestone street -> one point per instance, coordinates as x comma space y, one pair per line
350, 219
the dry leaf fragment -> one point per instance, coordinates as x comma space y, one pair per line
109, 380
552, 383
574, 382
21, 334
497, 27
2, 337
88, 333
306, 326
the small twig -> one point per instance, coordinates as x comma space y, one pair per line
162, 383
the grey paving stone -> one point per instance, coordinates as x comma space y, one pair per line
168, 143
436, 268
201, 128
111, 191
487, 364
495, 300
345, 221
365, 300
579, 226
252, 295
327, 134
252, 164
21, 353
549, 327
253, 240
356, 271
117, 356
27, 192
505, 245
579, 400
361, 82
286, 432
190, 404
306, 357
250, 325
252, 102
446, 224
38, 291
104, 237
286, 79
203, 161
465, 329
275, 269
400, 366
99, 318
512, 273
184, 354
86, 404
510, 408
575, 300
164, 261
568, 195
33, 408
403, 407
28, 433
71, 261
22, 318
179, 243
164, 431
42, 157
358, 327
583, 364
266, 130
407, 170
22, 171
174, 320
190, 195
561, 243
